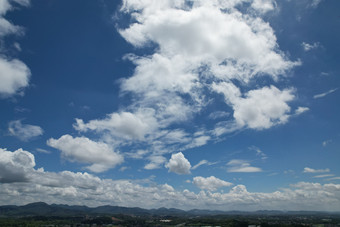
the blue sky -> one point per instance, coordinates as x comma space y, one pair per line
229, 105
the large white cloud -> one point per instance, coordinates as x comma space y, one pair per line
15, 166
259, 109
210, 183
81, 149
14, 75
24, 132
178, 164
207, 31
197, 49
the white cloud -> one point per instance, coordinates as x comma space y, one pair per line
24, 132
301, 110
259, 153
7, 27
22, 184
323, 175
333, 178
315, 3
194, 48
210, 183
178, 164
123, 125
226, 42
14, 76
224, 127
204, 32
263, 6
241, 166
308, 47
310, 170
81, 149
202, 162
324, 94
155, 162
43, 151
326, 142
15, 166
139, 154
218, 114
261, 108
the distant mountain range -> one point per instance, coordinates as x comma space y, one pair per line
43, 209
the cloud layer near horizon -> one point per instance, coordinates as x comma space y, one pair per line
28, 184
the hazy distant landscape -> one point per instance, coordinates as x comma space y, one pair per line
42, 214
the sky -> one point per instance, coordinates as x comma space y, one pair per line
219, 104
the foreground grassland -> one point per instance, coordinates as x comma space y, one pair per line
130, 220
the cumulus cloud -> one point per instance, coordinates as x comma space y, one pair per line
81, 149
324, 94
241, 166
125, 124
178, 164
263, 6
15, 166
261, 108
21, 183
310, 170
197, 49
210, 183
14, 74
24, 132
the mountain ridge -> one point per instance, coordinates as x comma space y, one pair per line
44, 209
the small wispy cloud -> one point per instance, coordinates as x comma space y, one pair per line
40, 150
301, 110
323, 176
203, 162
315, 3
310, 170
123, 168
24, 132
259, 152
308, 47
218, 114
326, 142
334, 178
324, 94
241, 166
